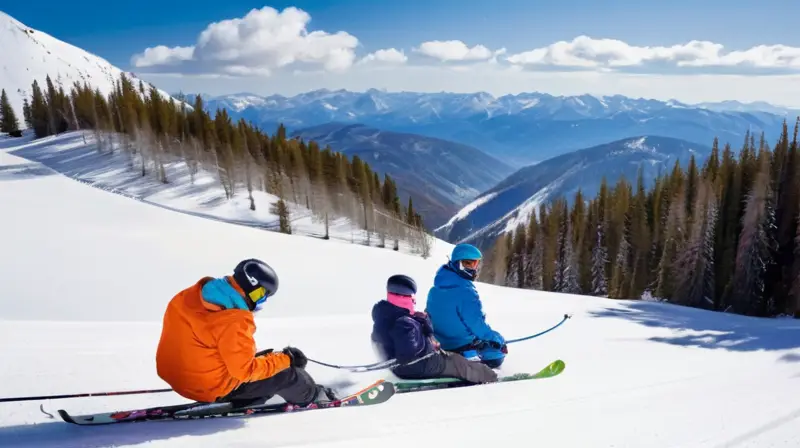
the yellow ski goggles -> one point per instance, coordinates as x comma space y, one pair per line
258, 295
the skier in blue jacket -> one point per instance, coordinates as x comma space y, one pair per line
456, 312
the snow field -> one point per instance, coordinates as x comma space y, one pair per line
85, 275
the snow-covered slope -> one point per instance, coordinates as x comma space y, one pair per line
75, 154
27, 54
85, 275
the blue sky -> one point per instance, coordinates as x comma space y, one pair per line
116, 30
119, 30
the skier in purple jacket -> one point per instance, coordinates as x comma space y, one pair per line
399, 332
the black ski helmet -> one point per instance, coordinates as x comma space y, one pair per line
401, 284
253, 274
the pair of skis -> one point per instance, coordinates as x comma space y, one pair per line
376, 393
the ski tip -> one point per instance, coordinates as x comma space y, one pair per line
66, 417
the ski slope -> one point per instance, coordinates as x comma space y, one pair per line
85, 275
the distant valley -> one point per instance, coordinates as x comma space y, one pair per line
441, 176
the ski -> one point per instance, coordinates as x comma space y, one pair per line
551, 370
376, 393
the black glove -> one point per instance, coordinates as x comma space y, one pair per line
264, 352
424, 321
297, 358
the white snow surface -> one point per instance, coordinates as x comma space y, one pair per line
27, 54
85, 275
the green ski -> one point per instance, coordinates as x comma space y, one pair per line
405, 386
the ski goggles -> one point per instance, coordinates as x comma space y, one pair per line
258, 295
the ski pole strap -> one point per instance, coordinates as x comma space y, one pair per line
566, 316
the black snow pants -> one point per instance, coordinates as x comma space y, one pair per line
457, 366
294, 385
447, 365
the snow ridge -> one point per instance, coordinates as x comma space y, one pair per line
29, 54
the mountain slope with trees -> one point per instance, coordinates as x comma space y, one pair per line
441, 176
722, 236
154, 131
504, 206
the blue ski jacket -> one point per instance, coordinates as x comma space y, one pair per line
456, 312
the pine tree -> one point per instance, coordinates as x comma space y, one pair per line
599, 263
753, 256
570, 275
534, 269
8, 119
695, 263
26, 112
39, 113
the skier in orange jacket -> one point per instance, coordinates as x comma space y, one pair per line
207, 352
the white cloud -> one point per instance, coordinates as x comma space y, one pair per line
257, 44
162, 55
453, 50
389, 56
237, 54
589, 53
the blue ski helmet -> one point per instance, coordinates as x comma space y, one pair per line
402, 285
465, 251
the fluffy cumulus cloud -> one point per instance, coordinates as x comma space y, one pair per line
257, 44
268, 42
453, 50
584, 52
386, 56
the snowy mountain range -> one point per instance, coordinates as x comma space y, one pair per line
518, 129
511, 202
440, 176
27, 54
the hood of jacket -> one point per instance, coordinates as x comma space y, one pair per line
447, 278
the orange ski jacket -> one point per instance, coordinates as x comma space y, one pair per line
206, 350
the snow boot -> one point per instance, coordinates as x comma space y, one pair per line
324, 395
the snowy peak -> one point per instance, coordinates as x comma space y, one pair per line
29, 54
518, 129
416, 106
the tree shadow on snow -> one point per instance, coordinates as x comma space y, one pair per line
711, 329
23, 171
62, 435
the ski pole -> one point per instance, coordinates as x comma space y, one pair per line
392, 363
356, 368
95, 394
388, 364
566, 316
